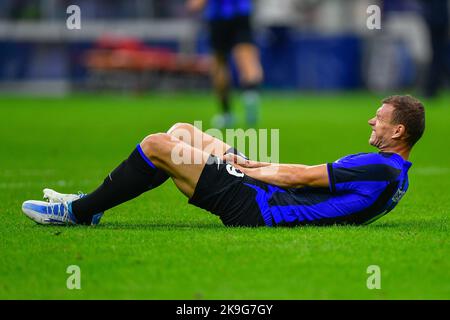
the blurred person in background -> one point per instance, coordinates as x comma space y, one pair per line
437, 20
230, 31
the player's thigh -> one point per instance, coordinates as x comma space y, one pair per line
219, 69
219, 60
246, 56
198, 139
186, 166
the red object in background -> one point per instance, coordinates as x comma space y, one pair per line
133, 55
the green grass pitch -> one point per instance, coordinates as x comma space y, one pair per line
159, 247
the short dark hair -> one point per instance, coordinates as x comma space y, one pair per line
409, 112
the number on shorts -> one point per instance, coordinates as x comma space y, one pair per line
233, 171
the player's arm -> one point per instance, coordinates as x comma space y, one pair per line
289, 175
243, 162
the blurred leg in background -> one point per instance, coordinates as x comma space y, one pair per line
246, 56
221, 83
221, 41
250, 77
231, 33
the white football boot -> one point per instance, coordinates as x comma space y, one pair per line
58, 209
43, 212
52, 196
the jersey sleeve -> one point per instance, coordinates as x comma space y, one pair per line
351, 172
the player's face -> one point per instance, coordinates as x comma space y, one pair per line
382, 128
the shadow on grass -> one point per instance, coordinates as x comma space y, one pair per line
190, 226
123, 226
419, 225
412, 224
153, 226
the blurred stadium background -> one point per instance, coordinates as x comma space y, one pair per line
138, 45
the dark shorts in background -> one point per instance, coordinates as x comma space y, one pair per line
226, 33
225, 195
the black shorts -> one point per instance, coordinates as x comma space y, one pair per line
226, 33
221, 191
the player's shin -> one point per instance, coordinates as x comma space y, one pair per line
132, 177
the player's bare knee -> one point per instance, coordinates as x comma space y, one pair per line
182, 131
155, 145
179, 126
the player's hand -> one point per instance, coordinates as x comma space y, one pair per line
241, 168
236, 160
195, 5
230, 158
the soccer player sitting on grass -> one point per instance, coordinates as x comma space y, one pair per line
356, 189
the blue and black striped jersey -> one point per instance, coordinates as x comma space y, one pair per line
362, 188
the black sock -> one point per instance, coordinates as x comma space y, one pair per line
131, 178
